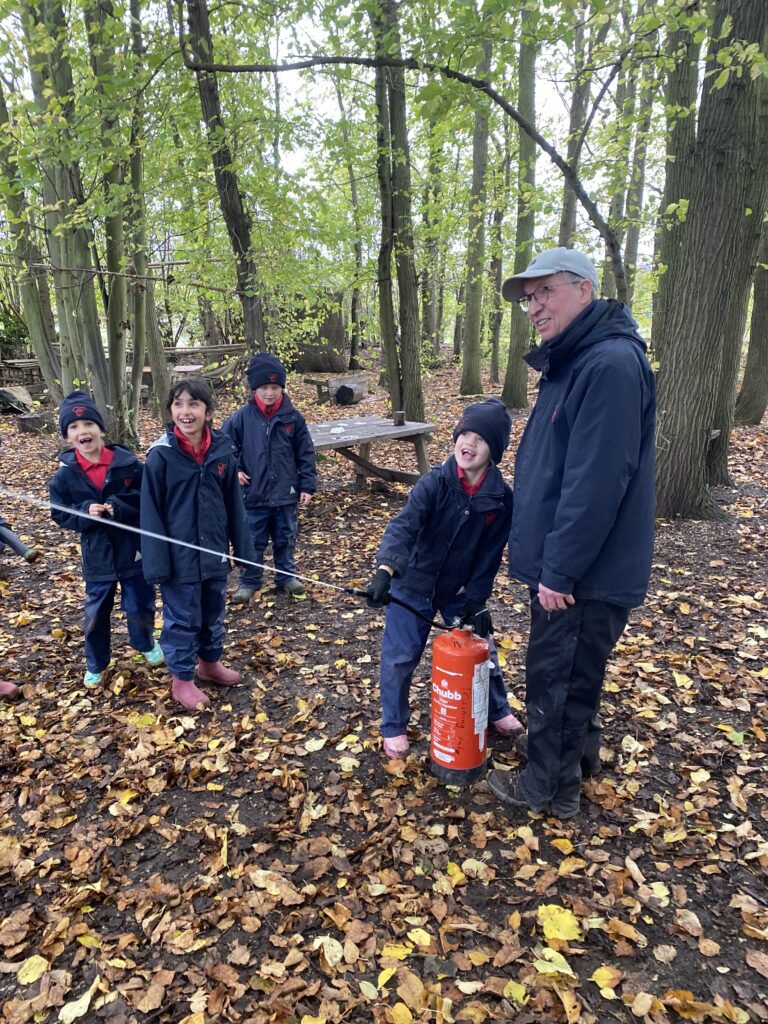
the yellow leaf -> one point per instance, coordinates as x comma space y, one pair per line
89, 941
571, 1005
126, 795
369, 991
316, 744
398, 950
607, 978
700, 776
306, 1019
400, 1014
563, 845
420, 937
78, 1007
570, 865
384, 977
215, 787
478, 957
514, 990
558, 922
552, 962
32, 969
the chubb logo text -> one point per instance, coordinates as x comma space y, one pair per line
446, 694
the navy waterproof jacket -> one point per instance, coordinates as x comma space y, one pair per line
583, 520
201, 505
444, 542
109, 553
277, 453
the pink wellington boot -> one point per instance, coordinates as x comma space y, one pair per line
9, 689
216, 672
187, 694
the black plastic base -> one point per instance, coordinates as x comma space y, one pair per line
457, 776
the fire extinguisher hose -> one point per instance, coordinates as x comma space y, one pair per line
396, 600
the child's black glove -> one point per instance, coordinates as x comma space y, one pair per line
377, 592
475, 614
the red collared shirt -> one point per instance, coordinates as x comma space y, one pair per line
187, 447
471, 489
96, 472
268, 410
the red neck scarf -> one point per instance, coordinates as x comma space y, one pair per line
471, 489
198, 454
96, 472
268, 410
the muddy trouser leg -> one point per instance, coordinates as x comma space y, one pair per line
565, 665
258, 523
403, 643
137, 600
99, 601
16, 544
212, 628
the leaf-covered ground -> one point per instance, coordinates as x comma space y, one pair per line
262, 862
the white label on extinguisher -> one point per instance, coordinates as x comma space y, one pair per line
480, 684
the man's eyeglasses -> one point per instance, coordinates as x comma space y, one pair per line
540, 294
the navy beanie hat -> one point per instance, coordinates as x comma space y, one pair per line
265, 369
78, 406
491, 421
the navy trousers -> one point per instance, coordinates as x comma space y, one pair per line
278, 524
137, 600
193, 624
564, 670
403, 643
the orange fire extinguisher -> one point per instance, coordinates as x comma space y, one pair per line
460, 678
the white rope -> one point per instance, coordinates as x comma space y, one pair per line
30, 499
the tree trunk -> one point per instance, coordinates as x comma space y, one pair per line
137, 222
470, 366
357, 243
100, 30
404, 249
161, 374
32, 284
458, 326
753, 397
726, 184
496, 315
430, 333
236, 218
515, 391
389, 344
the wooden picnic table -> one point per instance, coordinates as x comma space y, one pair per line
362, 432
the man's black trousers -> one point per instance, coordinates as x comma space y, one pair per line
565, 665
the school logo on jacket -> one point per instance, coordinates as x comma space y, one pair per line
288, 427
221, 468
128, 481
490, 518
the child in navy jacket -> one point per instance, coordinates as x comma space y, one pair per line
190, 492
277, 472
442, 553
103, 481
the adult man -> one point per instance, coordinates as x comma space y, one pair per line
583, 517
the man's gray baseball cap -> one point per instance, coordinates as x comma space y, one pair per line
551, 261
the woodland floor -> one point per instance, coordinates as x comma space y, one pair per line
262, 862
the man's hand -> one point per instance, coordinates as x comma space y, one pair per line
377, 591
243, 478
553, 600
304, 498
475, 614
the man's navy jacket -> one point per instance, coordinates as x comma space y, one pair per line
443, 541
277, 453
201, 505
109, 553
583, 520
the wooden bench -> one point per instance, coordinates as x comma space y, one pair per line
327, 387
362, 432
